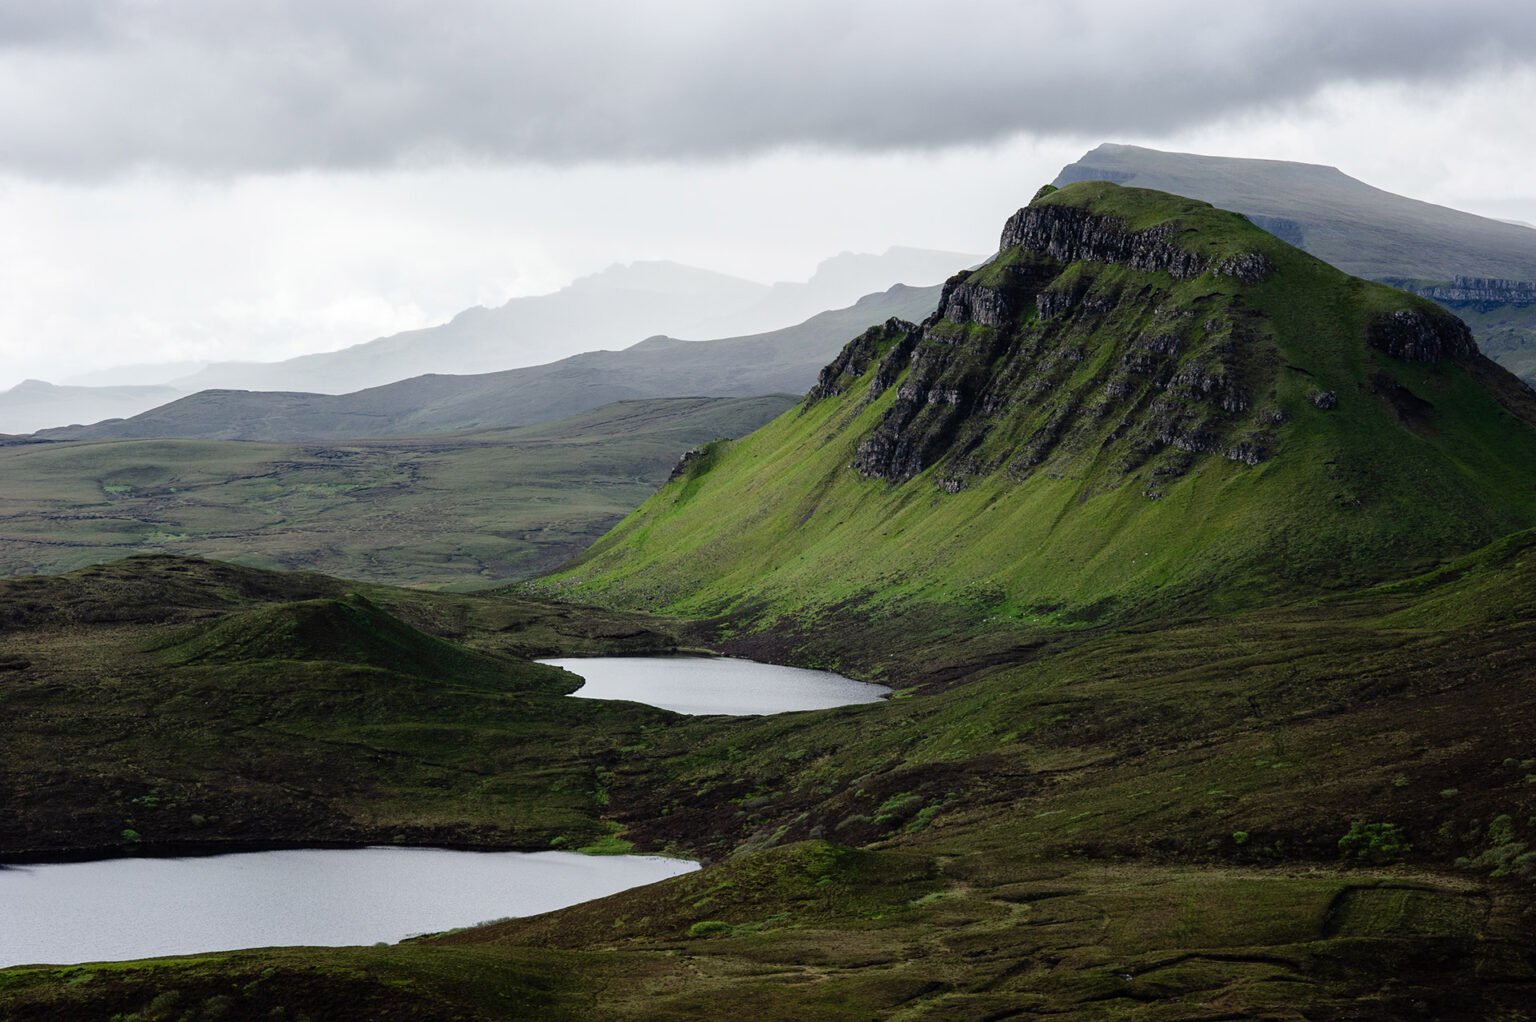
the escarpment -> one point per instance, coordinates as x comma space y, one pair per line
1139, 348
1141, 400
1069, 235
1477, 291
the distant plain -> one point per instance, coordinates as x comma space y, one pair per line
461, 511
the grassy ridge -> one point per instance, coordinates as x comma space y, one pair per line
465, 510
1416, 462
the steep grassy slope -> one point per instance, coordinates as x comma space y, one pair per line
462, 511
1142, 403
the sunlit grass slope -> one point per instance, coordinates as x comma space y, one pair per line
1415, 462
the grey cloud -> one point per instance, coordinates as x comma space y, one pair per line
216, 87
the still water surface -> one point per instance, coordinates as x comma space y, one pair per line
140, 908
695, 684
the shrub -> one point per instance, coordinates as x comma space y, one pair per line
1374, 842
709, 928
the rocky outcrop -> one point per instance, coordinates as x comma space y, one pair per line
1044, 361
1248, 267
973, 303
688, 463
1056, 301
854, 360
1069, 234
1216, 384
894, 362
1420, 335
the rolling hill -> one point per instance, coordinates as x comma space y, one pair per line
782, 361
33, 404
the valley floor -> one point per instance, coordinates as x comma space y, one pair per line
1318, 811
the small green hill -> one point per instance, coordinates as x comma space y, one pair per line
350, 630
170, 702
1142, 402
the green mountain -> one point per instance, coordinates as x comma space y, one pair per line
1142, 403
463, 510
1481, 269
777, 362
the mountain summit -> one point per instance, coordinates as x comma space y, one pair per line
1481, 269
1359, 228
1141, 400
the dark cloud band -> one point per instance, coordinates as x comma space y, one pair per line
219, 88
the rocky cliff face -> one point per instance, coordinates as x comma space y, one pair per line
1071, 235
1086, 338
854, 360
1483, 291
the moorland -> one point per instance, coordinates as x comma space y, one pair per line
1203, 574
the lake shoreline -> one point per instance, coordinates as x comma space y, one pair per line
141, 908
210, 849
714, 685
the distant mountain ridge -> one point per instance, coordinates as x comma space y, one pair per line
1478, 267
33, 401
781, 361
1361, 229
608, 310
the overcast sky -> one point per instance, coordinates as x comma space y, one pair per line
208, 179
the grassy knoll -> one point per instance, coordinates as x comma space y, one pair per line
464, 510
159, 702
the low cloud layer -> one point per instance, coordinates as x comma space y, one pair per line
220, 88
